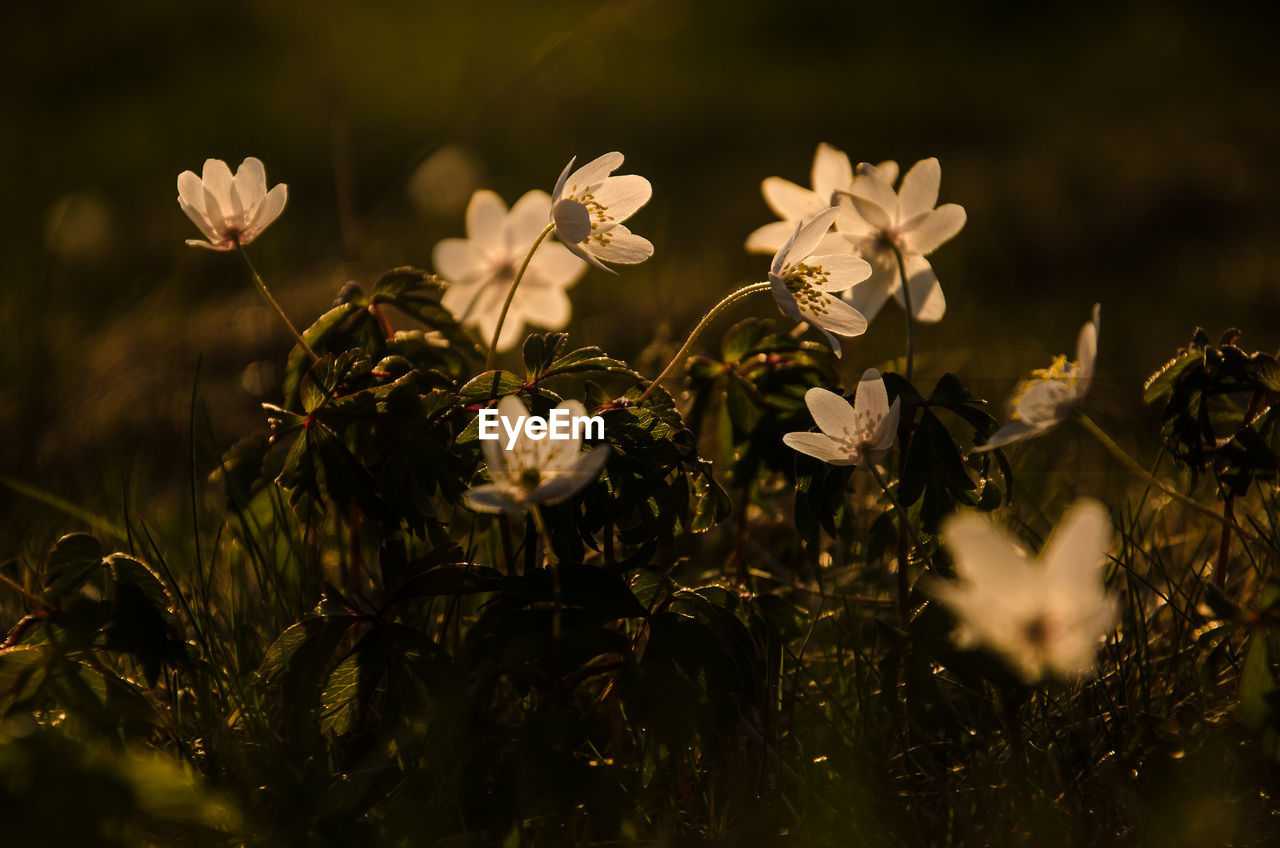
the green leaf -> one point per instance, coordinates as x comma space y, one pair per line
490, 385
1256, 683
73, 560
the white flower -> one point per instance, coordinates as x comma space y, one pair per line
875, 219
1046, 398
230, 209
1045, 617
533, 471
481, 267
831, 175
801, 282
589, 206
861, 432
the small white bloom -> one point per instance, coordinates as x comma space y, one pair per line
1046, 398
1045, 617
831, 175
589, 206
801, 282
481, 267
875, 219
230, 209
533, 471
852, 434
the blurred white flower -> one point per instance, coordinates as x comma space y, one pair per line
481, 267
831, 175
1045, 617
875, 219
230, 209
589, 206
1046, 398
852, 434
533, 471
801, 282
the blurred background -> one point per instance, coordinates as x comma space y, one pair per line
1120, 152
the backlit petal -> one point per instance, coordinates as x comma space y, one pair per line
621, 245
819, 446
622, 196
832, 413
934, 229
919, 191
789, 201
832, 171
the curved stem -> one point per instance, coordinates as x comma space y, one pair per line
511, 293
271, 301
911, 320
1134, 466
728, 301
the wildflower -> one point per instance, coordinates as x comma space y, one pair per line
851, 433
1046, 398
534, 470
875, 219
1045, 617
830, 176
481, 267
589, 206
801, 283
228, 209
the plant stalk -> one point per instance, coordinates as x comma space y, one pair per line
511, 294
274, 304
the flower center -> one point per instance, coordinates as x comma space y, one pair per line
803, 282
1061, 370
530, 478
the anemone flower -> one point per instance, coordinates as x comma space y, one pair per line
229, 209
588, 207
852, 434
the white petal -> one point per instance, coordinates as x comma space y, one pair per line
927, 301
888, 170
525, 222
842, 270
833, 244
810, 235
580, 251
547, 306
780, 258
554, 265
1046, 402
934, 229
870, 296
832, 413
1087, 349
621, 245
870, 401
983, 553
191, 190
785, 300
198, 218
217, 187
266, 212
249, 186
622, 196
491, 498
831, 172
888, 430
819, 446
919, 191
573, 221
486, 223
1077, 550
790, 201
594, 172
454, 260
876, 216
558, 191
770, 237
1015, 431
851, 224
839, 318
871, 186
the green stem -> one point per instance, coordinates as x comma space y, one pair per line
271, 301
511, 294
1134, 466
557, 601
911, 320
728, 301
906, 539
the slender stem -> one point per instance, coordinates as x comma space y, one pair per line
1224, 543
1134, 466
557, 601
271, 301
511, 293
911, 318
728, 301
906, 538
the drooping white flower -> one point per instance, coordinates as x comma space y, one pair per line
481, 268
589, 206
802, 282
230, 209
831, 175
1044, 617
533, 471
875, 218
852, 434
1046, 398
